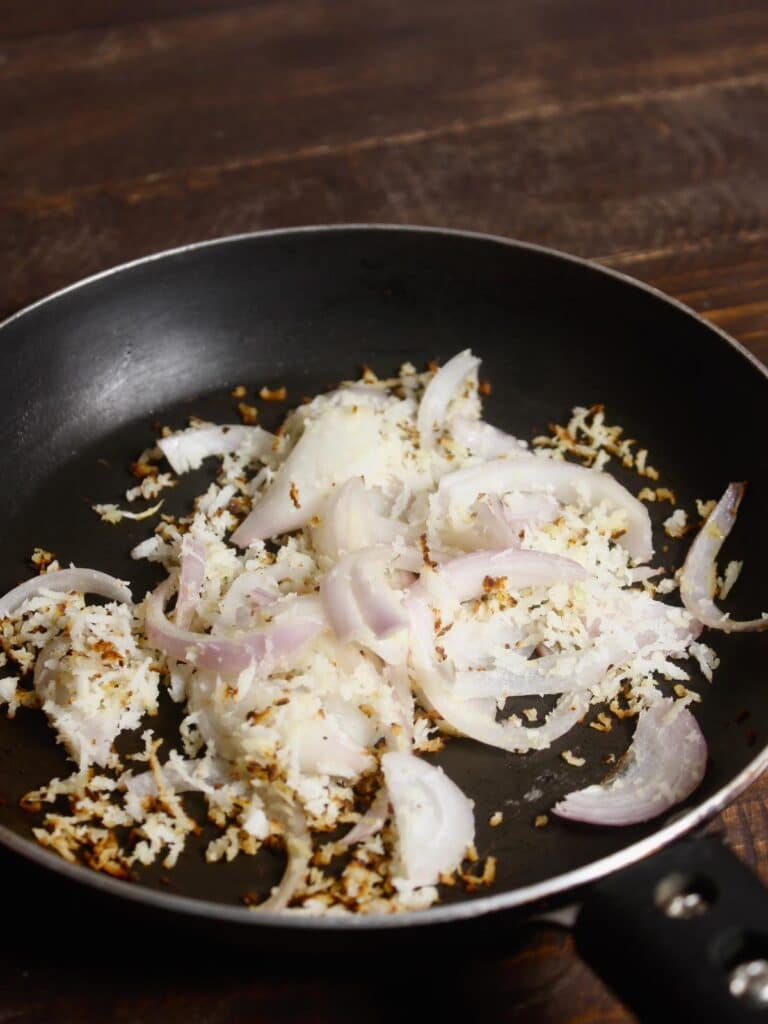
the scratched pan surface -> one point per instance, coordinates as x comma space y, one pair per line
86, 376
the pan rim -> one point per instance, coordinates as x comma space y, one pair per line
442, 913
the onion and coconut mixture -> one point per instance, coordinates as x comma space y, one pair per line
387, 570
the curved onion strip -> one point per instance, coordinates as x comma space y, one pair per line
486, 441
372, 821
554, 673
255, 589
345, 521
446, 385
494, 526
697, 579
434, 819
186, 449
356, 593
330, 451
298, 845
82, 581
285, 634
477, 718
569, 483
465, 576
665, 763
191, 578
380, 605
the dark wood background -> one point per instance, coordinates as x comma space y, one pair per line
632, 132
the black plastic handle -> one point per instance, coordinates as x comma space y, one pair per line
681, 935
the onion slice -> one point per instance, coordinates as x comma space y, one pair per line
477, 718
372, 821
434, 819
357, 596
697, 579
465, 576
191, 578
297, 622
446, 385
665, 763
486, 441
186, 449
83, 581
553, 673
332, 449
569, 483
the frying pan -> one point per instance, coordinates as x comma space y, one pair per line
86, 377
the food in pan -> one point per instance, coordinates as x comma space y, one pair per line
386, 571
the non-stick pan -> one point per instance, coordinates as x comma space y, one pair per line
86, 377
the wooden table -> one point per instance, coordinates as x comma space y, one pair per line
635, 133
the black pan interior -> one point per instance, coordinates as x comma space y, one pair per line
86, 378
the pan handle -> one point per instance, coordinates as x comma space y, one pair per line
681, 935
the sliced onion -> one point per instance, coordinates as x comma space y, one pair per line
477, 718
298, 622
446, 385
356, 593
569, 483
345, 521
298, 844
553, 673
82, 581
350, 522
191, 578
486, 441
698, 576
665, 763
478, 643
372, 822
186, 449
332, 449
465, 576
434, 819
493, 525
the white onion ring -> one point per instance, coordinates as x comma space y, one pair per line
477, 718
665, 763
486, 441
298, 844
356, 595
553, 673
82, 581
350, 522
255, 589
332, 449
191, 578
445, 386
569, 483
697, 578
284, 635
464, 576
434, 819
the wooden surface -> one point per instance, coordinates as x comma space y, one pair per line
635, 133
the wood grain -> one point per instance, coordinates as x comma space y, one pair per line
631, 133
